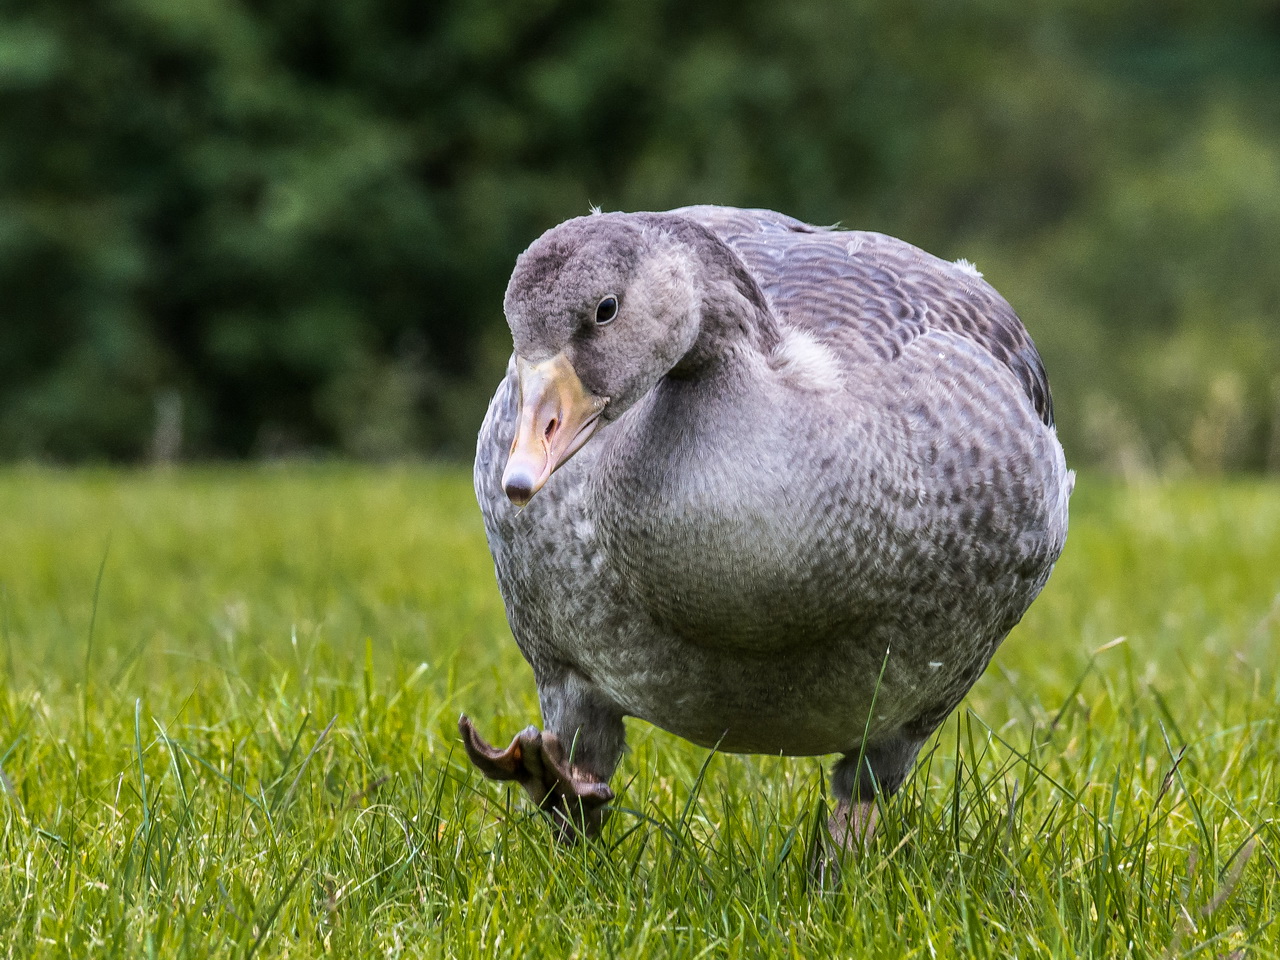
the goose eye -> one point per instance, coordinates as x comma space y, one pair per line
606, 310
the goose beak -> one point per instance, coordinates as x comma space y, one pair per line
557, 416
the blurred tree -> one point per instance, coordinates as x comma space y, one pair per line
289, 224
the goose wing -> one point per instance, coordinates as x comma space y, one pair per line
869, 295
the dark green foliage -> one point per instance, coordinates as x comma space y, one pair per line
286, 227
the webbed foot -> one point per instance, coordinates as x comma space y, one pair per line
570, 796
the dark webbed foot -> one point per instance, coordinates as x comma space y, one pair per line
570, 796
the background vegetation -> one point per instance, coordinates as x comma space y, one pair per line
227, 728
237, 227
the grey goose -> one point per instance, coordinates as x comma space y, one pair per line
771, 487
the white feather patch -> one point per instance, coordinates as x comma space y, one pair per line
968, 267
806, 362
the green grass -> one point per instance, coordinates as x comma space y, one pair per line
227, 726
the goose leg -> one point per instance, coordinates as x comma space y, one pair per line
847, 833
853, 824
855, 781
564, 769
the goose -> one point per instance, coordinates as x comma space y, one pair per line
773, 488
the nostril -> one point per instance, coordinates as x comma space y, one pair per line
551, 428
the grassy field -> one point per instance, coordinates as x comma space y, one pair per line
227, 725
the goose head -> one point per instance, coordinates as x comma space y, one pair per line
600, 308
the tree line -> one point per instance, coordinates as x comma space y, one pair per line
237, 228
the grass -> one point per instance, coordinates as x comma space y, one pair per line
227, 726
